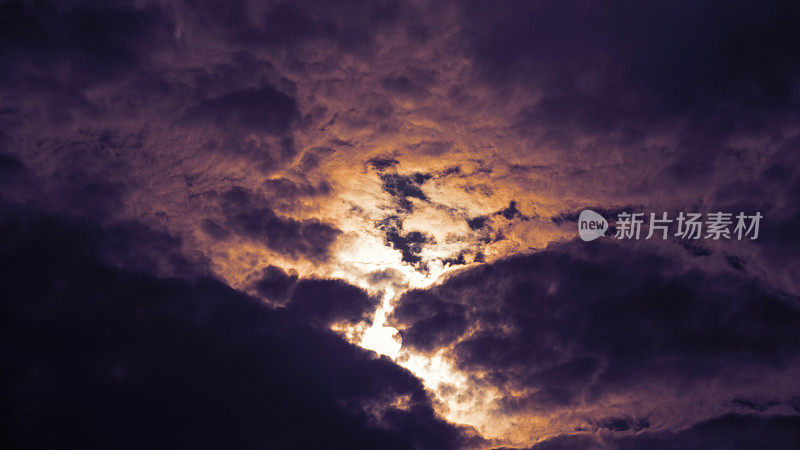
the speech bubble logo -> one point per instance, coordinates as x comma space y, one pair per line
591, 225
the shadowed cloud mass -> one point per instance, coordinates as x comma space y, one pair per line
217, 215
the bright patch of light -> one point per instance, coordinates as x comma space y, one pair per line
378, 337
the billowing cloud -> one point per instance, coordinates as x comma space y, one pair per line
286, 235
264, 186
98, 356
569, 328
728, 431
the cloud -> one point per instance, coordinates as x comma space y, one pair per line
99, 357
729, 431
264, 109
274, 283
381, 163
88, 43
244, 215
587, 53
327, 302
315, 301
286, 145
603, 90
410, 244
570, 327
403, 187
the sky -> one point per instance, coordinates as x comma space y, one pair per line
354, 224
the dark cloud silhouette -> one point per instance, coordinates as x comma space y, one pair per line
134, 246
92, 41
214, 229
349, 26
476, 223
575, 322
247, 216
325, 302
10, 168
95, 198
14, 176
458, 260
403, 187
509, 213
314, 301
96, 356
311, 159
725, 432
263, 109
410, 243
667, 56
403, 86
381, 163
434, 322
612, 74
286, 190
624, 423
275, 284
113, 336
755, 404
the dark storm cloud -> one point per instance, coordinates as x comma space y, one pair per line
135, 110
624, 423
403, 187
85, 179
511, 212
675, 56
458, 260
726, 432
275, 284
100, 357
246, 215
381, 163
411, 84
263, 109
91, 41
430, 148
95, 197
316, 302
312, 158
694, 250
134, 246
434, 322
403, 86
575, 322
409, 243
773, 189
258, 121
126, 244
476, 223
609, 75
14, 176
51, 53
349, 26
326, 302
288, 191
755, 404
214, 229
